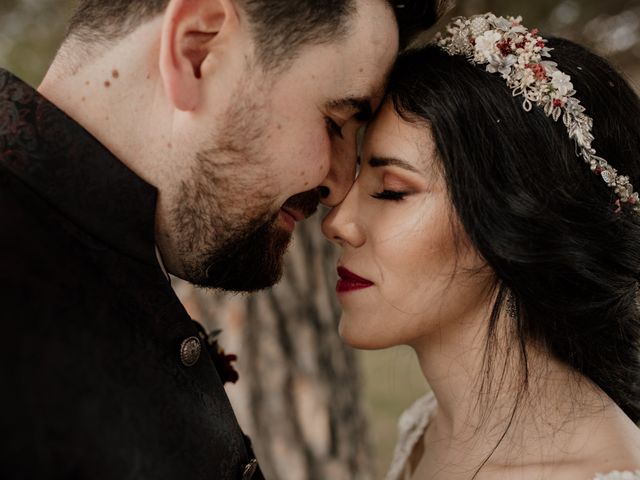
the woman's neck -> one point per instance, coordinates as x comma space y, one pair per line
491, 407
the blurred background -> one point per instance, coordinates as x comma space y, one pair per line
315, 408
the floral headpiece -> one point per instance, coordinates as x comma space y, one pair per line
513, 51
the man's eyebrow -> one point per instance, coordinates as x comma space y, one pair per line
390, 161
362, 105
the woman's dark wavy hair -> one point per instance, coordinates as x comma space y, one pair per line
543, 222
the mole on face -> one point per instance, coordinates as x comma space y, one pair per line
107, 83
115, 73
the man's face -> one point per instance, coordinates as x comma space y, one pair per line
275, 139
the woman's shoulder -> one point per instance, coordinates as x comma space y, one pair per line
616, 475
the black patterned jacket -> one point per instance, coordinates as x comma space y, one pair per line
101, 373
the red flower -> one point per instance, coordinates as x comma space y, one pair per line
538, 70
557, 102
505, 47
222, 362
535, 31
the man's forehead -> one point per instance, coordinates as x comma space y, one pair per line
368, 54
364, 96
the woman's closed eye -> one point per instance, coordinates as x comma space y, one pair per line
390, 195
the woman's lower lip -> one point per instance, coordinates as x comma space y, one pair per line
344, 286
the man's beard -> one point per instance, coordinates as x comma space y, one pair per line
225, 222
245, 255
250, 260
253, 258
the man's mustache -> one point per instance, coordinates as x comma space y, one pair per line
305, 202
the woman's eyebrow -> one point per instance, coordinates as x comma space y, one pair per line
390, 161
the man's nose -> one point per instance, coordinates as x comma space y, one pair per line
338, 182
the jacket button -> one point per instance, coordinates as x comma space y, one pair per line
250, 469
190, 351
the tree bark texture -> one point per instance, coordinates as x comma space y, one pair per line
298, 396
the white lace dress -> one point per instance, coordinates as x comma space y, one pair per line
411, 427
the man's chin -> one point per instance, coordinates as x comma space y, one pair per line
249, 265
244, 285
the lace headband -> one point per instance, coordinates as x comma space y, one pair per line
508, 48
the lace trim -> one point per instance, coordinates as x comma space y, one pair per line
411, 427
616, 475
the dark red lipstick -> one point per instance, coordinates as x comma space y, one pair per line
349, 281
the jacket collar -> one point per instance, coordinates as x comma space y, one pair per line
74, 172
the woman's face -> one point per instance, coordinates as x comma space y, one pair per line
397, 230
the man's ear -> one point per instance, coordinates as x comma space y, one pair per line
192, 31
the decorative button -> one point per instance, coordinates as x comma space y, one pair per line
190, 351
250, 469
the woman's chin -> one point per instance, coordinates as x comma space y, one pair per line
361, 336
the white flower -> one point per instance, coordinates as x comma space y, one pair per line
562, 83
524, 77
550, 67
518, 29
503, 24
486, 44
546, 52
498, 63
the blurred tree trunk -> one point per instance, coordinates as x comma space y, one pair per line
298, 397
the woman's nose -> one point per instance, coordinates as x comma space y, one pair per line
342, 225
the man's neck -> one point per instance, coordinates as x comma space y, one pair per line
118, 96
108, 90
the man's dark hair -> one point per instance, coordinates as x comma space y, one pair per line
280, 27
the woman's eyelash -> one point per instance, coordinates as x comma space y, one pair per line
333, 128
390, 195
